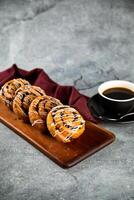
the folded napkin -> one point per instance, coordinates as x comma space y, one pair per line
68, 95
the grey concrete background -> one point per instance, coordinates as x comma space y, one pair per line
77, 42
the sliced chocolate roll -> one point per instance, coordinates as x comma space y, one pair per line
7, 92
39, 108
65, 123
23, 99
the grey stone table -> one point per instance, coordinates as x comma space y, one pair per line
80, 43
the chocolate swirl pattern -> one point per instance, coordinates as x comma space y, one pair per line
23, 99
7, 92
65, 123
39, 108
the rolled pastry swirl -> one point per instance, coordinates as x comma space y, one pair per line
7, 92
65, 123
23, 99
39, 108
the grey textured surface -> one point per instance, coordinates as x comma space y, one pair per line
81, 43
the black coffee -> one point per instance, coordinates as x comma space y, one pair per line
119, 93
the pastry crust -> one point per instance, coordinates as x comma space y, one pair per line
39, 108
23, 99
7, 92
65, 123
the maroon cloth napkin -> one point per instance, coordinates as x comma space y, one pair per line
68, 95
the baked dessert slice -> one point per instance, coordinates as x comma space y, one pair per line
39, 109
23, 99
65, 123
7, 92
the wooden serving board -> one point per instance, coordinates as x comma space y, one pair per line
66, 155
